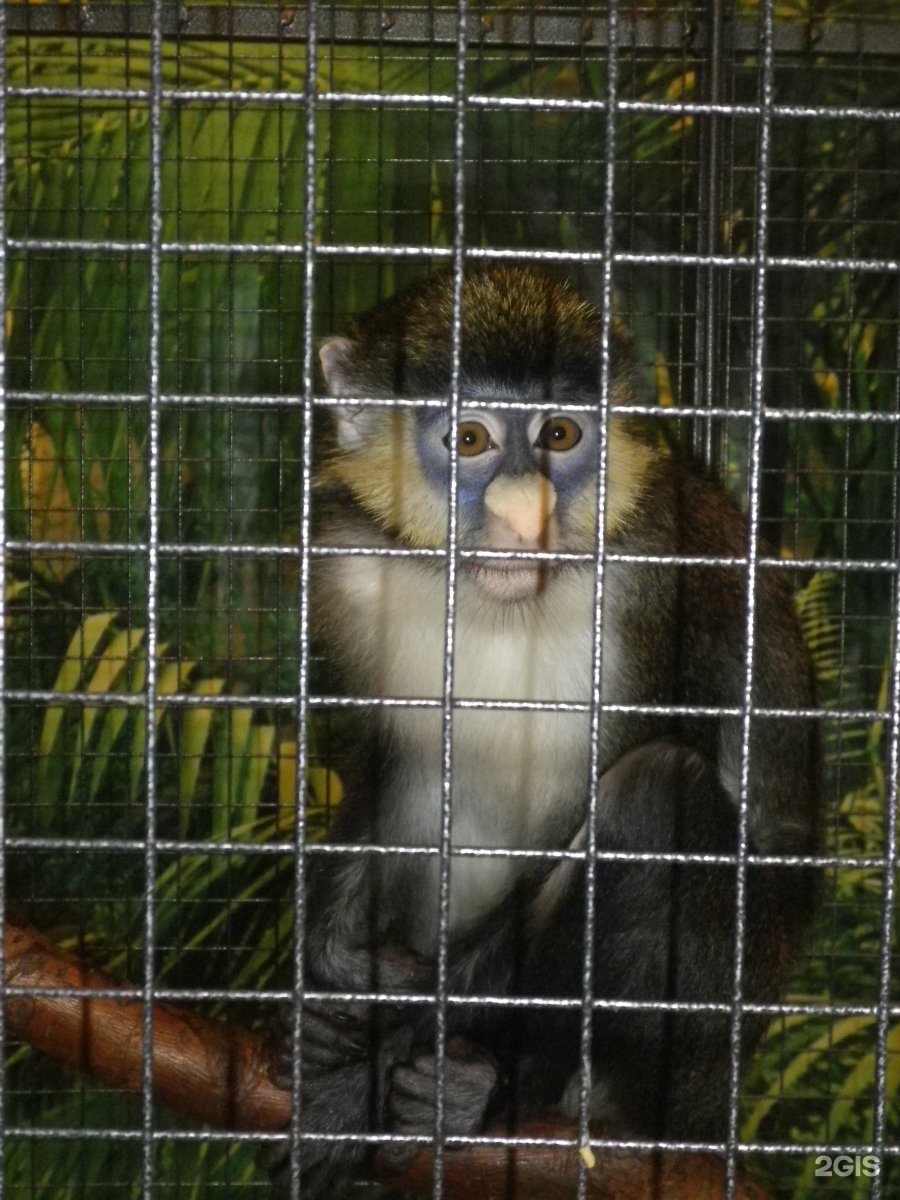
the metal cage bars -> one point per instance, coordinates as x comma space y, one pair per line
156, 21
438, 26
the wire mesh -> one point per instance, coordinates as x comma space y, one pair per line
190, 197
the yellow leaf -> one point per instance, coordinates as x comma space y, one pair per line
867, 341
80, 649
169, 678
229, 764
113, 662
287, 782
195, 727
259, 756
52, 517
14, 589
324, 788
681, 85
663, 382
827, 383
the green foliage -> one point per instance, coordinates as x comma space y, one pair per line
813, 1079
231, 330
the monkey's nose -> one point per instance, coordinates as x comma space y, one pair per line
523, 504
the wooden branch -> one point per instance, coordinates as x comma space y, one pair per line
217, 1074
204, 1069
551, 1172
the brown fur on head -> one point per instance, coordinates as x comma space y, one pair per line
520, 328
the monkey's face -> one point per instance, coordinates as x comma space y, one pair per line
519, 475
526, 483
527, 476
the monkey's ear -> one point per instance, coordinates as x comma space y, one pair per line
336, 359
336, 356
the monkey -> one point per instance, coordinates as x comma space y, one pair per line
666, 779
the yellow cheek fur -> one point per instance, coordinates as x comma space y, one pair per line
628, 460
385, 478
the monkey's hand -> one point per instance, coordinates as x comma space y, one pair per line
332, 1033
470, 1080
338, 1032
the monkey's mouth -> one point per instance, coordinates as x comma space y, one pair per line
509, 578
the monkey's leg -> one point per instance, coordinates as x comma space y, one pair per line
347, 1047
343, 1091
664, 931
484, 960
338, 1104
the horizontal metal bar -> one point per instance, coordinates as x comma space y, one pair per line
272, 849
204, 1135
258, 401
262, 550
559, 28
347, 703
433, 101
461, 1000
889, 266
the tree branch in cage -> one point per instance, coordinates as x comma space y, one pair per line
217, 1073
548, 1172
202, 1068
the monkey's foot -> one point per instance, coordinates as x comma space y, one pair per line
470, 1079
335, 1102
325, 1169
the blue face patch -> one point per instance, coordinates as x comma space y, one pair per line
509, 441
568, 469
475, 470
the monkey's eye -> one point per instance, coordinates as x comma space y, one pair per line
472, 439
559, 433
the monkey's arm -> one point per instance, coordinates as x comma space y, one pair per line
710, 637
663, 932
347, 1047
783, 751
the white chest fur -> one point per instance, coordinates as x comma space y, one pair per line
517, 775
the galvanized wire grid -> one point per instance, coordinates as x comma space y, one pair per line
464, 35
